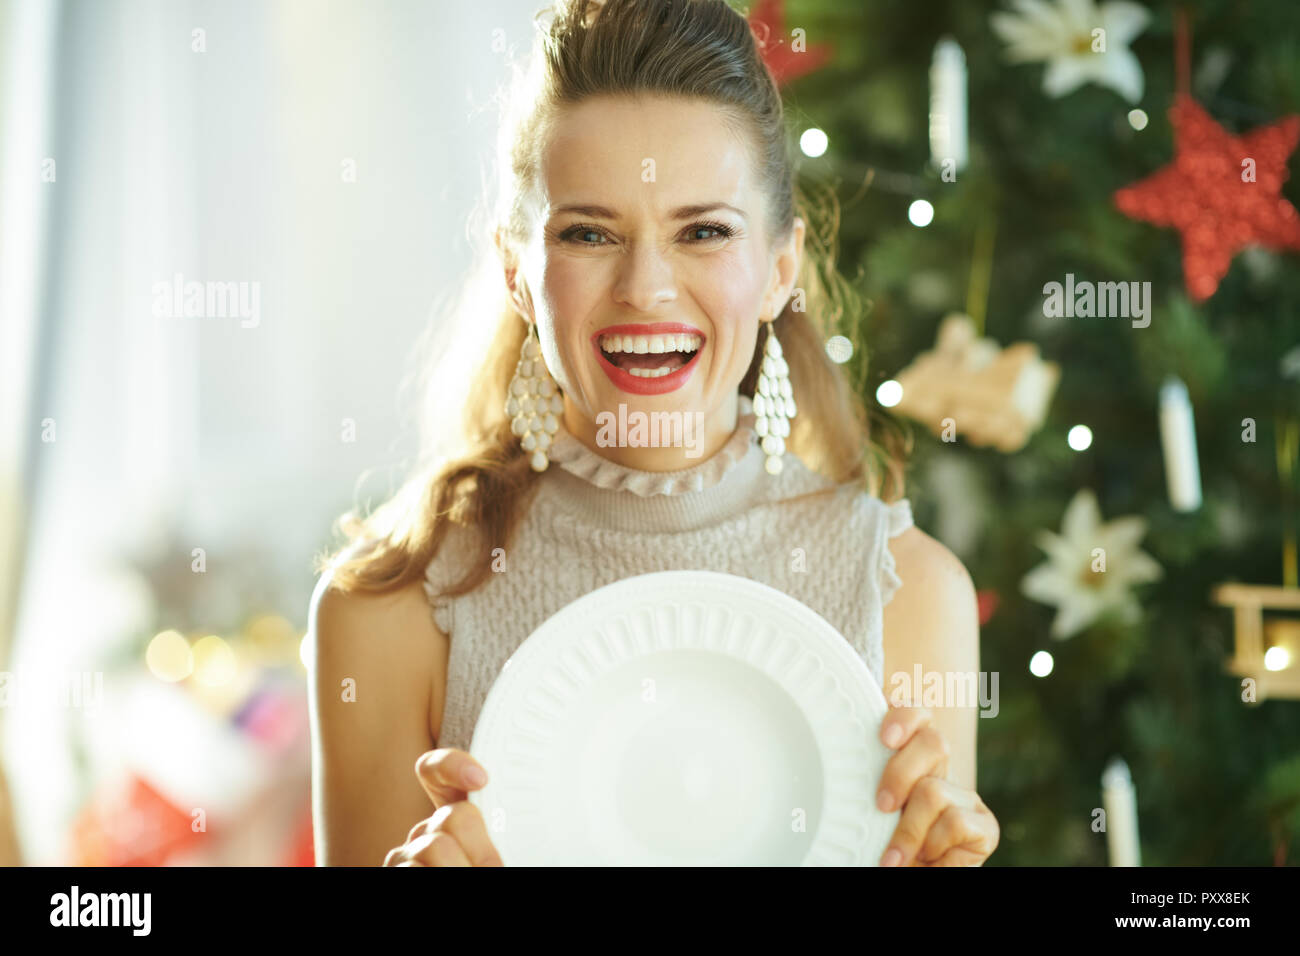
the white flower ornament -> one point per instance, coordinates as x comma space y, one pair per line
1080, 41
1068, 579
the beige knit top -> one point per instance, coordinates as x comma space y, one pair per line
593, 522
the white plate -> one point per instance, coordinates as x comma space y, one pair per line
684, 718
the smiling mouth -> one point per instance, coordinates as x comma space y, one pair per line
650, 356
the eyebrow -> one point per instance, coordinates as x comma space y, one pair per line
681, 212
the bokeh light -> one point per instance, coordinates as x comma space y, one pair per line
889, 393
920, 213
813, 142
168, 656
1040, 665
839, 348
214, 661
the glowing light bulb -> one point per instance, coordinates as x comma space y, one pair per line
813, 142
920, 213
1277, 659
889, 393
1040, 665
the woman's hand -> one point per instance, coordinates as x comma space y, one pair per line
941, 824
455, 835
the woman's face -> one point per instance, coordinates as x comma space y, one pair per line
648, 270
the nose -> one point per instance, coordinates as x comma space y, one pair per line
645, 279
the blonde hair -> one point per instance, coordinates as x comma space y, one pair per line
698, 49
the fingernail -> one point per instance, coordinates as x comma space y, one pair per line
885, 800
475, 777
892, 857
893, 735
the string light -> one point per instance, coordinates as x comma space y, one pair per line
1040, 665
920, 213
839, 349
813, 142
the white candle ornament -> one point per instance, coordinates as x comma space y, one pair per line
948, 105
1178, 438
1119, 799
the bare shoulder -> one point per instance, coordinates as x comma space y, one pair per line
391, 636
335, 612
934, 613
922, 560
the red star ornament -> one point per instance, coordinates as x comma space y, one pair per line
1207, 194
767, 20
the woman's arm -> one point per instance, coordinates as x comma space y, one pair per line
377, 665
933, 621
932, 624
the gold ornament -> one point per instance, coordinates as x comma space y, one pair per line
992, 395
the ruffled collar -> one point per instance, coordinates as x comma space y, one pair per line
577, 459
594, 490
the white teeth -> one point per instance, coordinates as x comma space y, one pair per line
654, 344
650, 372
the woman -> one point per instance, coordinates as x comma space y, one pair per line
648, 233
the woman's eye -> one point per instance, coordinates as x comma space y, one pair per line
583, 235
580, 234
723, 232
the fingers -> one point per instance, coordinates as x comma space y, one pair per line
941, 824
965, 834
959, 856
436, 849
448, 775
925, 753
460, 823
927, 801
455, 835
465, 823
955, 829
901, 723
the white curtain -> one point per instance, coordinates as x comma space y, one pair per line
27, 38
213, 141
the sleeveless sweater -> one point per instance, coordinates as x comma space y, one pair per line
592, 522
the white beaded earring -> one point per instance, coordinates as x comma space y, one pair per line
533, 402
773, 403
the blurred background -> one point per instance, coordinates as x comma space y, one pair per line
1122, 487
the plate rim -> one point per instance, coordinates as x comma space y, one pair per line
861, 695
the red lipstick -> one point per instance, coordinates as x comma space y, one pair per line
639, 385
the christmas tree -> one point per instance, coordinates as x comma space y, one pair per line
1050, 181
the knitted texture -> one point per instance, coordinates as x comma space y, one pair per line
593, 522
